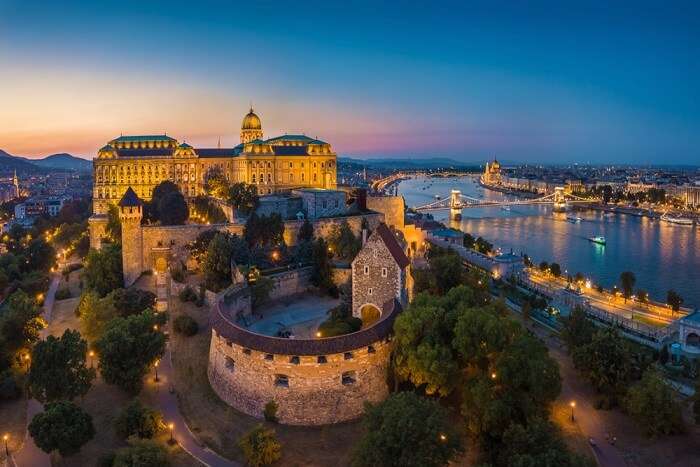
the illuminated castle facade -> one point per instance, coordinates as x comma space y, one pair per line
274, 165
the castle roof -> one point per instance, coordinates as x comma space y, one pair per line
132, 138
130, 199
392, 245
296, 138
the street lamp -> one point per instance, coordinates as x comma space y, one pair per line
493, 375
443, 437
91, 354
572, 404
5, 437
170, 427
155, 366
26, 360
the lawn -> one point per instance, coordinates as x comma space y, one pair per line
219, 426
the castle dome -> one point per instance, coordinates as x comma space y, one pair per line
251, 121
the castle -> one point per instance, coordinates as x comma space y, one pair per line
274, 165
492, 173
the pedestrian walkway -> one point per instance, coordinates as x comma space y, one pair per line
29, 454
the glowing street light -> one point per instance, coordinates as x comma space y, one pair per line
493, 375
91, 354
155, 366
443, 437
170, 427
572, 404
6, 437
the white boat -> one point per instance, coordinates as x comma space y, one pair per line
600, 240
574, 219
505, 208
677, 220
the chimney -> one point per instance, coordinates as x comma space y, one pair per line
364, 236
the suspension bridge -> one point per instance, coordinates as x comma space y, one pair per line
456, 201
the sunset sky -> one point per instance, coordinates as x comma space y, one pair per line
539, 82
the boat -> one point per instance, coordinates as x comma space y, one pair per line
600, 240
574, 219
677, 220
505, 208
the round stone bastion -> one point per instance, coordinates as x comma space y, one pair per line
313, 381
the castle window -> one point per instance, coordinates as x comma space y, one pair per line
269, 357
282, 381
230, 364
294, 360
291, 177
347, 355
348, 378
324, 204
337, 203
370, 291
370, 349
290, 165
228, 343
247, 351
384, 272
322, 359
302, 177
366, 270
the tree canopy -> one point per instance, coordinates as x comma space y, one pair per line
652, 404
58, 368
139, 420
141, 453
627, 280
62, 427
103, 269
127, 348
407, 430
260, 446
20, 323
243, 197
172, 209
577, 329
343, 243
217, 263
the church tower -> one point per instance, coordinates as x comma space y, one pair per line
15, 182
130, 214
251, 129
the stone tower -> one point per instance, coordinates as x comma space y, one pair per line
130, 214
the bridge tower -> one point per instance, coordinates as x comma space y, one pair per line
455, 205
559, 199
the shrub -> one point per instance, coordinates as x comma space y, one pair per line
141, 453
63, 293
137, 419
260, 446
186, 325
270, 411
187, 295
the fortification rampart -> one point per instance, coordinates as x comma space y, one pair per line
313, 381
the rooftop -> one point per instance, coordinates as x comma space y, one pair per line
124, 139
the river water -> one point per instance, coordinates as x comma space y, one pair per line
661, 255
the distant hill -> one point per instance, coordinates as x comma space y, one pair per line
403, 163
10, 163
63, 161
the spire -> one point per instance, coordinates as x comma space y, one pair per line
218, 145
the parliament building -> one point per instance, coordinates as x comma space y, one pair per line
273, 165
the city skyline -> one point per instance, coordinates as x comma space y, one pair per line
541, 83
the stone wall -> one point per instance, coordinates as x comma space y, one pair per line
376, 278
315, 393
392, 207
292, 282
323, 227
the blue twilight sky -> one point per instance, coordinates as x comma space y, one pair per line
525, 81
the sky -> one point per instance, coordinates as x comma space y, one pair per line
545, 82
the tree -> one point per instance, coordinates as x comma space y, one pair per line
406, 430
674, 300
20, 323
172, 209
627, 280
243, 197
607, 363
114, 224
103, 269
132, 301
217, 263
306, 232
215, 183
141, 453
260, 446
642, 296
322, 274
652, 404
260, 290
577, 329
555, 269
343, 242
40, 255
262, 231
537, 444
127, 348
138, 420
543, 266
58, 368
185, 325
94, 313
206, 210
62, 427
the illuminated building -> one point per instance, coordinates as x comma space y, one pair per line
275, 165
492, 173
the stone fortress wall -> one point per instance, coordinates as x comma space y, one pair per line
313, 382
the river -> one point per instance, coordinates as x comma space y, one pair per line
662, 256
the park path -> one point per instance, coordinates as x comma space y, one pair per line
166, 401
29, 454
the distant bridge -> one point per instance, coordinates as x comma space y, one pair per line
456, 201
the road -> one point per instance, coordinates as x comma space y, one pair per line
29, 454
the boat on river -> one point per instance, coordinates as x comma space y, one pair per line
677, 220
600, 240
574, 219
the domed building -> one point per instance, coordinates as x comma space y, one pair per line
492, 173
275, 165
251, 129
